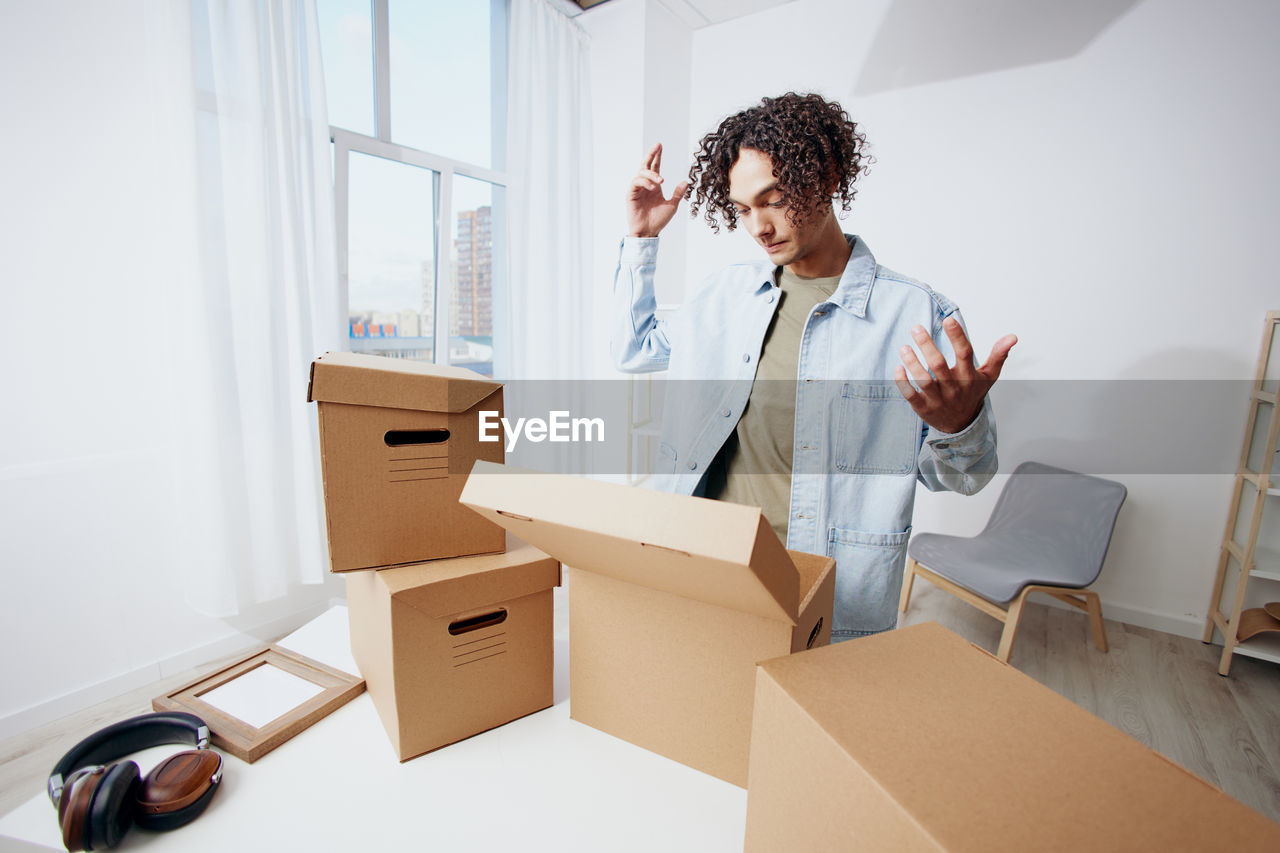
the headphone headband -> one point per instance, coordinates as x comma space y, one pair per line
125, 737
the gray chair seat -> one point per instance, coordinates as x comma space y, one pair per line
1050, 526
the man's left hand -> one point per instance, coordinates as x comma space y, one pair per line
949, 397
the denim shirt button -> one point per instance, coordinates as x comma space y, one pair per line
746, 356
725, 412
693, 466
769, 298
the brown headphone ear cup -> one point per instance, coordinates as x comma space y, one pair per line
112, 808
178, 789
73, 808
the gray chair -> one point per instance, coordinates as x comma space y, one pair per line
1049, 532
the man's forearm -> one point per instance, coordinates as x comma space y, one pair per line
639, 342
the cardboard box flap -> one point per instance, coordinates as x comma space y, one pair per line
925, 717
710, 551
396, 383
812, 568
443, 587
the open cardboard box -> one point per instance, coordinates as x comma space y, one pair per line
672, 602
397, 440
917, 740
452, 648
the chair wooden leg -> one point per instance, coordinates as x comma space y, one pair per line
1095, 619
1011, 620
908, 578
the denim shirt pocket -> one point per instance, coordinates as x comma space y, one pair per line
869, 568
878, 430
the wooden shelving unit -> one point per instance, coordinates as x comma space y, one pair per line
1246, 561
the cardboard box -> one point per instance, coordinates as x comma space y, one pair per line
672, 601
917, 740
397, 439
452, 648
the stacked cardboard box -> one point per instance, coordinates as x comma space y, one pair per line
451, 622
397, 439
452, 648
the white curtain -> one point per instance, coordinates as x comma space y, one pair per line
166, 253
267, 303
549, 162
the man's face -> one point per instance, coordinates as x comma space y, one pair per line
753, 189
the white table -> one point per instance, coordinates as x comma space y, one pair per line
542, 782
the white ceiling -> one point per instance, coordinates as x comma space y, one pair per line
704, 13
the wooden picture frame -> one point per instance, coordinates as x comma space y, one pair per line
247, 742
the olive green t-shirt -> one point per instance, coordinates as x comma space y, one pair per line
754, 466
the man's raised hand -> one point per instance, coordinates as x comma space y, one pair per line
648, 212
949, 397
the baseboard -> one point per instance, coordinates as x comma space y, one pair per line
1181, 626
33, 716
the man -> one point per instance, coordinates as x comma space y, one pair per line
874, 382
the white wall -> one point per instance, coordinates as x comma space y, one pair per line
1094, 177
96, 596
640, 66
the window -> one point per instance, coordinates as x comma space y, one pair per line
416, 91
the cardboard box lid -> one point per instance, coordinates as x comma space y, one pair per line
395, 383
974, 750
710, 551
443, 587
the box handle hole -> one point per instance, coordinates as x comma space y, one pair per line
505, 514
475, 623
813, 635
665, 548
403, 437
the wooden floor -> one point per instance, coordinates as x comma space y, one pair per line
1161, 689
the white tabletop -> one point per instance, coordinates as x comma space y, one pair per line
542, 782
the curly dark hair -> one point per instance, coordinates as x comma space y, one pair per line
811, 141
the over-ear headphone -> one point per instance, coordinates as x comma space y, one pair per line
98, 800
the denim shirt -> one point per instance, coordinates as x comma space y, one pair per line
859, 447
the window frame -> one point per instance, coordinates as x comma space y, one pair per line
444, 169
